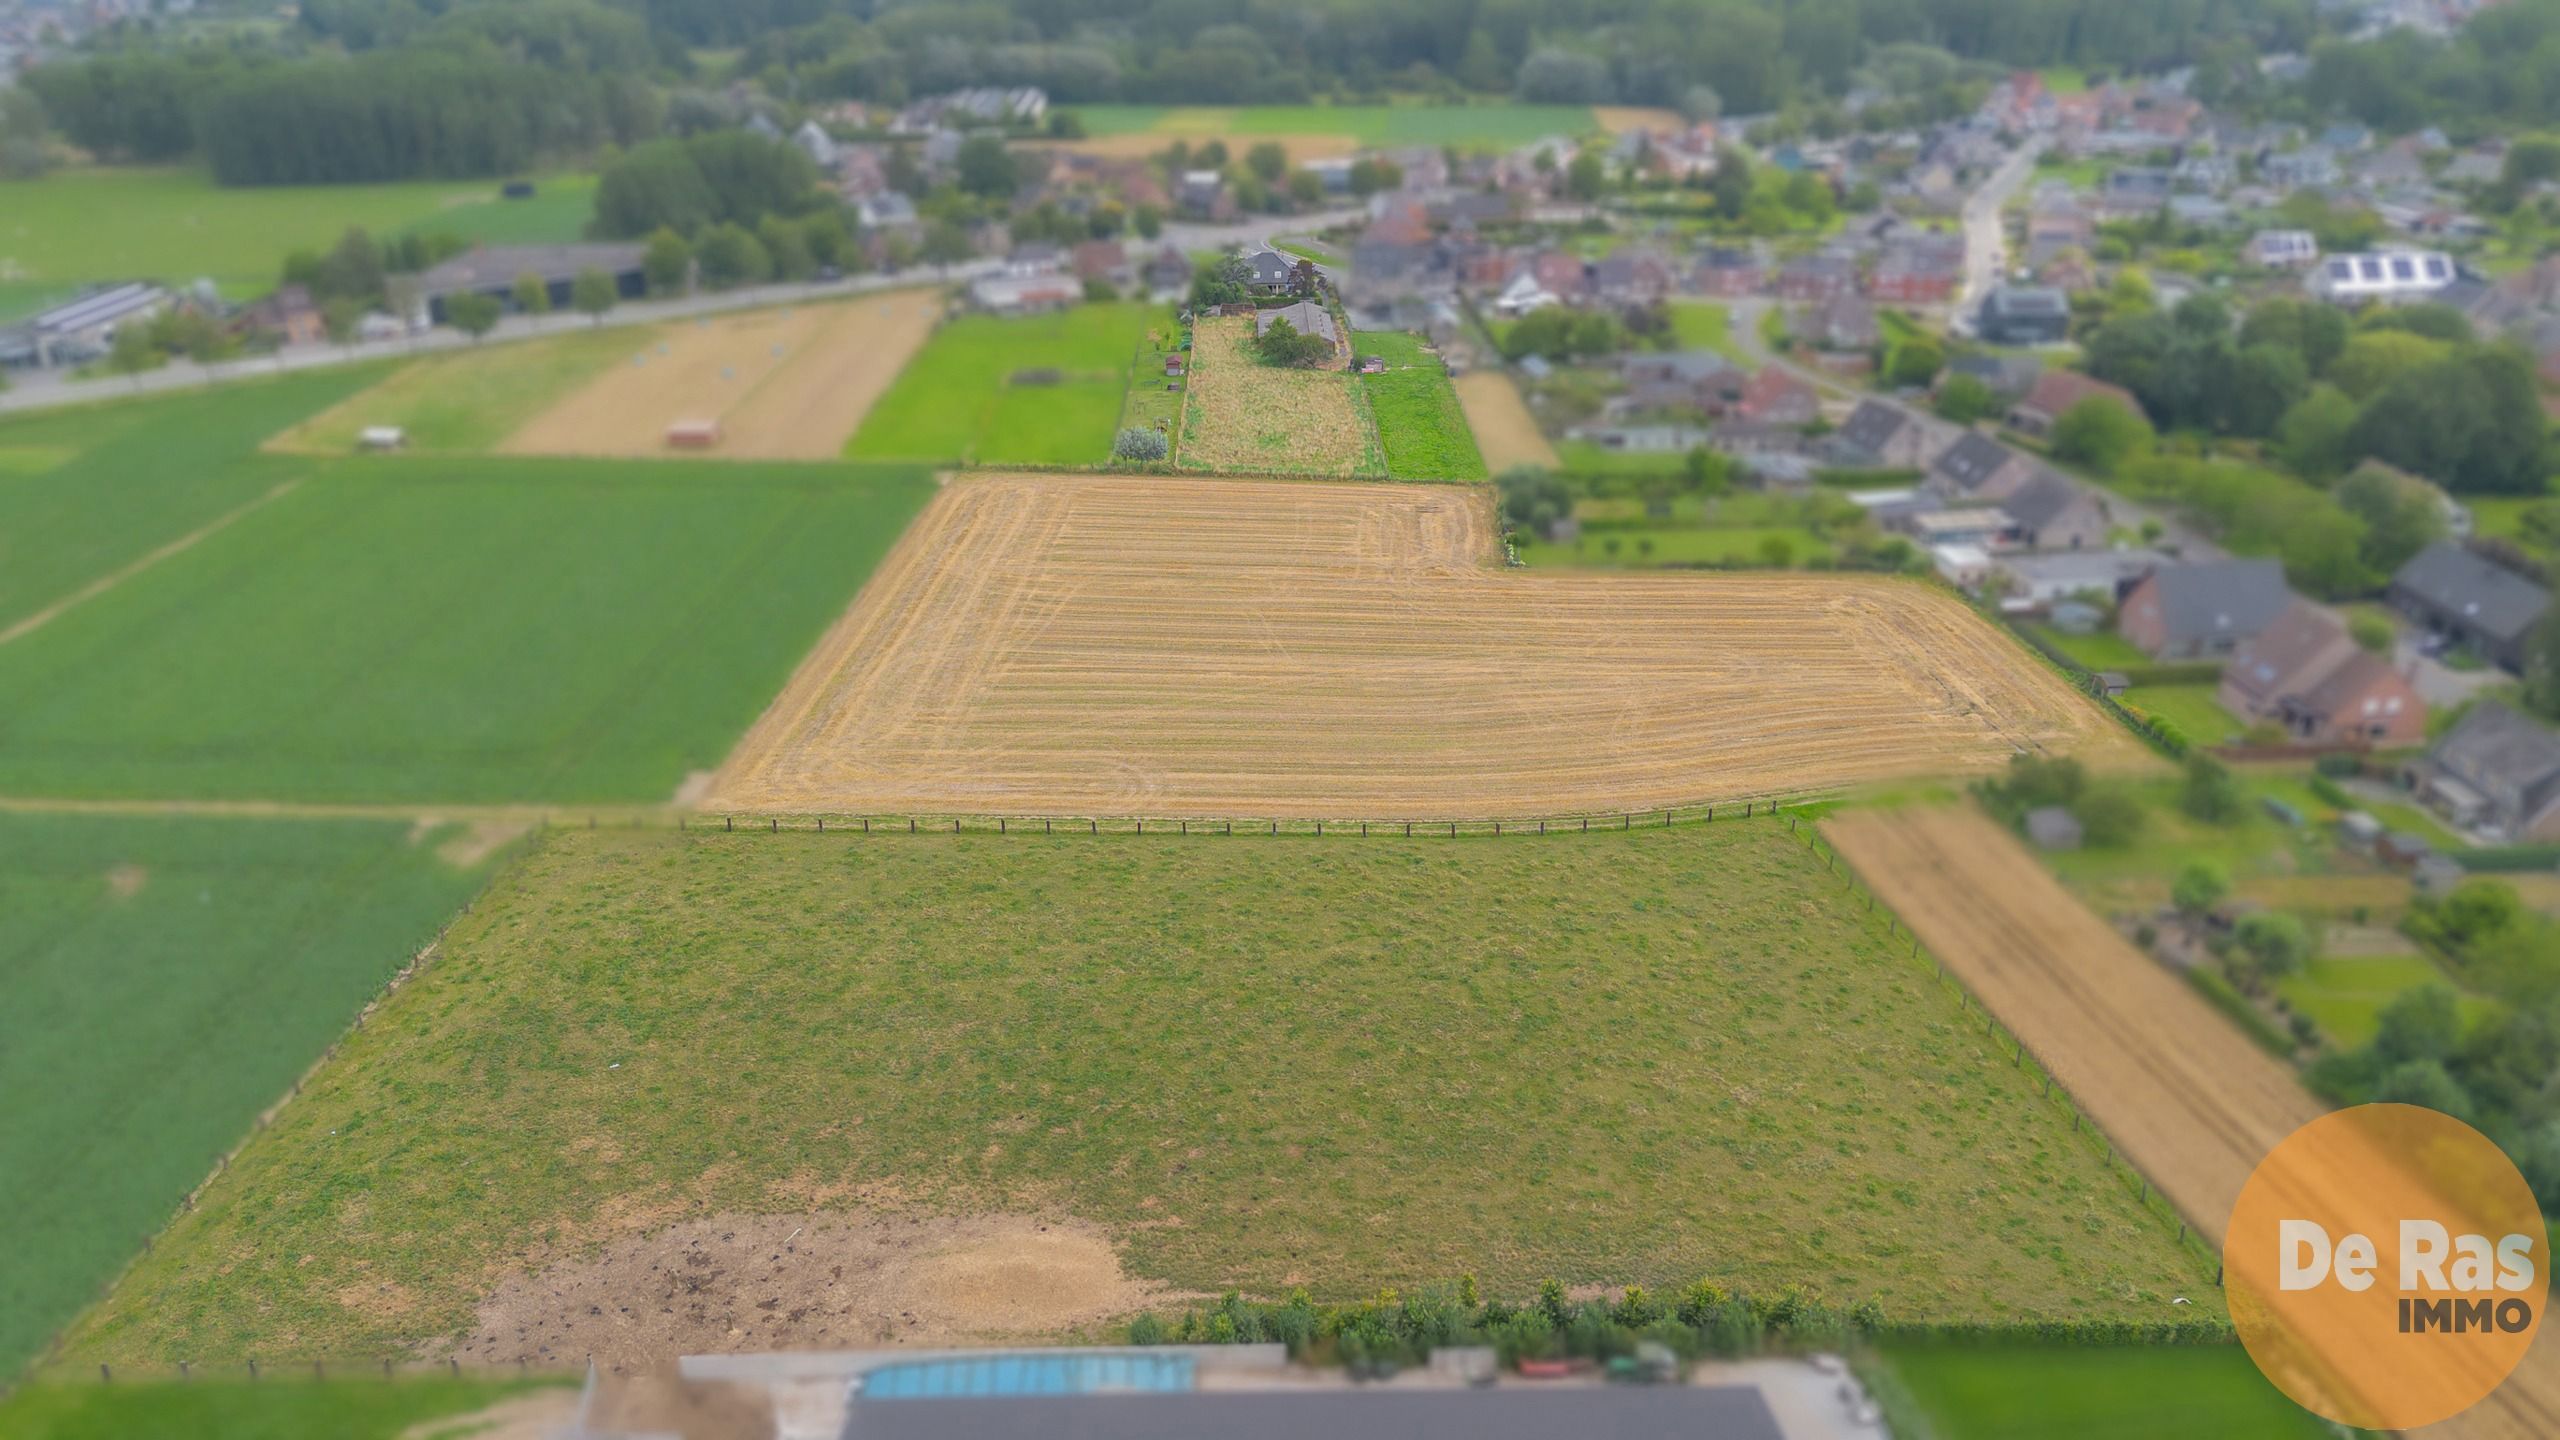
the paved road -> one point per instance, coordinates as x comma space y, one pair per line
1986, 233
47, 389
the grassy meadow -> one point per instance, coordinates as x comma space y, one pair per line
1420, 427
162, 980
176, 225
467, 401
85, 491
418, 629
957, 401
281, 1408
1241, 416
2026, 1392
1260, 1062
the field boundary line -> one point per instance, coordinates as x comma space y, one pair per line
113, 578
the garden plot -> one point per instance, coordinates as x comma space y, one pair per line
1245, 417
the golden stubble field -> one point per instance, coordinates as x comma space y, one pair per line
785, 384
1123, 645
1505, 430
2179, 1090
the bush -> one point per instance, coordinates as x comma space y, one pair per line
1140, 444
2338, 767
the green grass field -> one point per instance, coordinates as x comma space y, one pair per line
2192, 708
2346, 994
2209, 1392
420, 629
467, 401
955, 400
1495, 126
1641, 546
556, 214
1623, 1058
1705, 325
233, 1408
2099, 650
1420, 426
162, 980
84, 491
130, 222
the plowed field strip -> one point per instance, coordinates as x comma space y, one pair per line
2186, 1097
1062, 644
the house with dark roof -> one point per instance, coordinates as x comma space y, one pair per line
1842, 322
2497, 770
1730, 272
2005, 376
2196, 612
493, 270
1268, 272
2052, 511
2024, 315
2465, 600
1306, 317
1880, 433
1977, 467
1809, 278
2305, 673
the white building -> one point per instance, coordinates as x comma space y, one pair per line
2385, 275
2283, 249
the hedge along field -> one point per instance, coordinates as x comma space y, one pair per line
1640, 1057
88, 490
424, 630
956, 401
1466, 126
1420, 426
162, 980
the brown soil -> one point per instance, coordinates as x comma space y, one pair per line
818, 1281
1044, 644
2181, 1092
787, 384
1619, 119
1504, 429
126, 880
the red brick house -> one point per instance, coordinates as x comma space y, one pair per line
2305, 673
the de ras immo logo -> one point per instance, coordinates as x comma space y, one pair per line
2386, 1266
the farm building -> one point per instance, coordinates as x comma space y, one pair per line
693, 434
1031, 294
81, 329
493, 270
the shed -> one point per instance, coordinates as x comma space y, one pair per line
2402, 850
2358, 830
693, 434
2051, 827
381, 437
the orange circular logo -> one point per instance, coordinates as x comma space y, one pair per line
2386, 1266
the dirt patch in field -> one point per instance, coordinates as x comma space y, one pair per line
1505, 431
126, 880
542, 1415
786, 384
2178, 1089
1067, 645
1619, 119
813, 1281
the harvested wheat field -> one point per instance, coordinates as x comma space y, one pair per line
1504, 430
2182, 1093
1125, 645
786, 384
1245, 417
1619, 119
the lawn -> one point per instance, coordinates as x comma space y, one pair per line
2192, 708
162, 980
1581, 457
286, 1408
556, 214
424, 629
2091, 1392
2099, 650
1705, 325
467, 401
2346, 994
129, 222
1241, 416
2294, 867
1492, 126
86, 490
1616, 1058
1420, 427
964, 397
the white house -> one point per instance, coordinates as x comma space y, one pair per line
1523, 295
